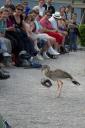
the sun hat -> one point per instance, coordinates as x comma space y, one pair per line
57, 15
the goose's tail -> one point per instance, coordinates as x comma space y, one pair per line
71, 78
75, 82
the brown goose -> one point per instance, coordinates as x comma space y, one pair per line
57, 75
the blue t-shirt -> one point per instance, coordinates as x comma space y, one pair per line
3, 26
27, 10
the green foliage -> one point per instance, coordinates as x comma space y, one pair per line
82, 34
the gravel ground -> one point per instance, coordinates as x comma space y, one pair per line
25, 103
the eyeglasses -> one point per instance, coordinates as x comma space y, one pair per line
20, 9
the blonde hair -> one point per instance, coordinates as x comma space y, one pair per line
29, 17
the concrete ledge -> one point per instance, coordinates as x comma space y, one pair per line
81, 48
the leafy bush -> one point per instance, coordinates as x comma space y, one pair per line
82, 34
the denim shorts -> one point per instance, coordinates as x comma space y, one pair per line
41, 43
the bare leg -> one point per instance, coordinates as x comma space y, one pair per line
53, 42
59, 87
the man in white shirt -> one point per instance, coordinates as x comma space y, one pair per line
54, 19
40, 7
60, 27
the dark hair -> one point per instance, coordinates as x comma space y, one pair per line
11, 6
19, 5
69, 6
34, 11
47, 11
62, 7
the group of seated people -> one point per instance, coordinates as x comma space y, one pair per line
39, 34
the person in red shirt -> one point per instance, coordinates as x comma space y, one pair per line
46, 24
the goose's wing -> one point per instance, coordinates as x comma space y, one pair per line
62, 74
51, 75
58, 74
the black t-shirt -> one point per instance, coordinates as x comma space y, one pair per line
19, 25
50, 8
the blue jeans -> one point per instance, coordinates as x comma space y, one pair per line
73, 39
3, 47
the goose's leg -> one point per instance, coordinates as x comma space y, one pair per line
59, 87
61, 83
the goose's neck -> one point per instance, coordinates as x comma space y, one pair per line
46, 72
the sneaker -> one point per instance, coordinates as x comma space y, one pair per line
45, 56
53, 52
22, 63
5, 71
52, 56
7, 61
22, 52
35, 65
24, 55
39, 57
4, 75
57, 52
25, 63
63, 50
6, 54
36, 47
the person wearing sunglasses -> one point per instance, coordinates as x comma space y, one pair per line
19, 35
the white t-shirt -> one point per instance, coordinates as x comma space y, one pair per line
41, 10
53, 22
